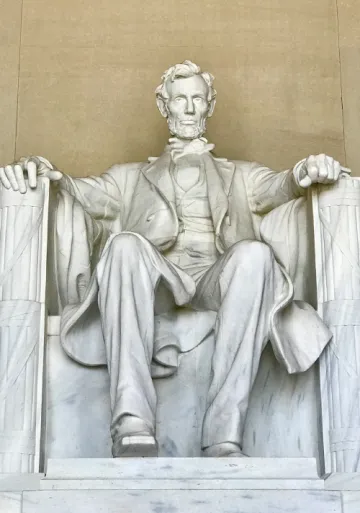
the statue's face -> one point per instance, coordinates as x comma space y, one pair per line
187, 107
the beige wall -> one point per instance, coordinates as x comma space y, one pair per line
78, 78
10, 28
349, 51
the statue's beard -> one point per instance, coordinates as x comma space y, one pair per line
186, 131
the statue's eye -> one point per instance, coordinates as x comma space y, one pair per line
179, 99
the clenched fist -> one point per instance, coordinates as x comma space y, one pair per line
13, 176
318, 169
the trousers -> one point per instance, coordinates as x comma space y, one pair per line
241, 286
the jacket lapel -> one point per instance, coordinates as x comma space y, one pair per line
157, 172
226, 170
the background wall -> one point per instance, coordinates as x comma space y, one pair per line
78, 78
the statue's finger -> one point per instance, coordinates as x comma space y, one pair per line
323, 168
337, 170
4, 179
19, 175
323, 175
32, 173
344, 169
330, 165
9, 171
313, 172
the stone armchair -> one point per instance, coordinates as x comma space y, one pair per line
49, 401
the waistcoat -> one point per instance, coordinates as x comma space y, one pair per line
195, 246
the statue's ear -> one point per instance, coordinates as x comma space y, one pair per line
161, 106
211, 107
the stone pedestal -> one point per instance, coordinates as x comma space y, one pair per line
182, 485
179, 485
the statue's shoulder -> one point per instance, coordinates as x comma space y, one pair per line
241, 167
119, 170
123, 174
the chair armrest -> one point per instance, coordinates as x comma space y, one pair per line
23, 253
336, 218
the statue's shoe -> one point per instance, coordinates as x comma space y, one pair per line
135, 445
224, 450
132, 437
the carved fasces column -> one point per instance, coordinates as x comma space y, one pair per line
336, 211
23, 247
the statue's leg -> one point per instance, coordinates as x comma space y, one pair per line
241, 286
128, 274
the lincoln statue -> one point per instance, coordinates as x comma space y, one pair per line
181, 232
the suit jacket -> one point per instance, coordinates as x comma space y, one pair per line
140, 198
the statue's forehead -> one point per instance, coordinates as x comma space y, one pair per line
188, 85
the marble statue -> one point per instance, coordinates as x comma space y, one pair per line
147, 243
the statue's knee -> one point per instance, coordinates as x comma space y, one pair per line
125, 243
253, 252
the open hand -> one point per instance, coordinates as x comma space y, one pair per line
14, 176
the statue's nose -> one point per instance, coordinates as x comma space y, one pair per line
190, 106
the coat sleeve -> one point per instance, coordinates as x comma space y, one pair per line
268, 189
84, 212
100, 196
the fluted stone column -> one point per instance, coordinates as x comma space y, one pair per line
23, 247
336, 211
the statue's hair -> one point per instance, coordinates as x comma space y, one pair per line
185, 70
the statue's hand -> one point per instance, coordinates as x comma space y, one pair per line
13, 176
318, 169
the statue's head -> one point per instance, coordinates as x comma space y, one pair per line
186, 98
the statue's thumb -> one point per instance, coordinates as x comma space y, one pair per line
305, 182
54, 175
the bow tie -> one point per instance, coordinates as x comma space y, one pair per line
179, 148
